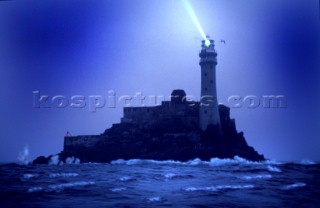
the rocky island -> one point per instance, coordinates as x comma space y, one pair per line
178, 129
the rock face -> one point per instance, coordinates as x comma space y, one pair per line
169, 131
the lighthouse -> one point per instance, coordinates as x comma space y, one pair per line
209, 112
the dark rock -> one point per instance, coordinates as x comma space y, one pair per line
167, 132
41, 160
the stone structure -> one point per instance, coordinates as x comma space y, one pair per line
178, 107
175, 130
209, 114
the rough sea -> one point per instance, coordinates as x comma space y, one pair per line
149, 183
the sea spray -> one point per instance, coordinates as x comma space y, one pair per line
54, 160
72, 160
23, 156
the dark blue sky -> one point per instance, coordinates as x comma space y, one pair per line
90, 47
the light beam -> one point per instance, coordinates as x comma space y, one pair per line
194, 18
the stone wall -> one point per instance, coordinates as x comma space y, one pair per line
83, 141
141, 115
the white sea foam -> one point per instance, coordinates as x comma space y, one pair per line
54, 160
64, 175
59, 187
154, 199
294, 185
273, 169
250, 177
196, 161
272, 162
72, 160
126, 178
239, 160
118, 162
194, 189
23, 156
139, 161
307, 162
92, 163
29, 175
118, 189
235, 160
219, 187
35, 189
219, 162
169, 175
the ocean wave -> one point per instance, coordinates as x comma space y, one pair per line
235, 160
29, 175
219, 187
175, 176
63, 175
294, 185
118, 189
239, 161
307, 162
140, 161
62, 186
55, 160
196, 161
35, 189
273, 169
72, 160
169, 175
154, 199
127, 178
23, 156
265, 176
93, 163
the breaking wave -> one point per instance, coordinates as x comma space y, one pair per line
170, 175
265, 176
292, 186
176, 176
23, 156
55, 160
35, 189
63, 175
154, 199
139, 161
220, 187
195, 183
60, 187
118, 189
213, 162
72, 160
307, 162
29, 175
126, 178
273, 169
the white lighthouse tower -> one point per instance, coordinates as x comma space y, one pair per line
209, 112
